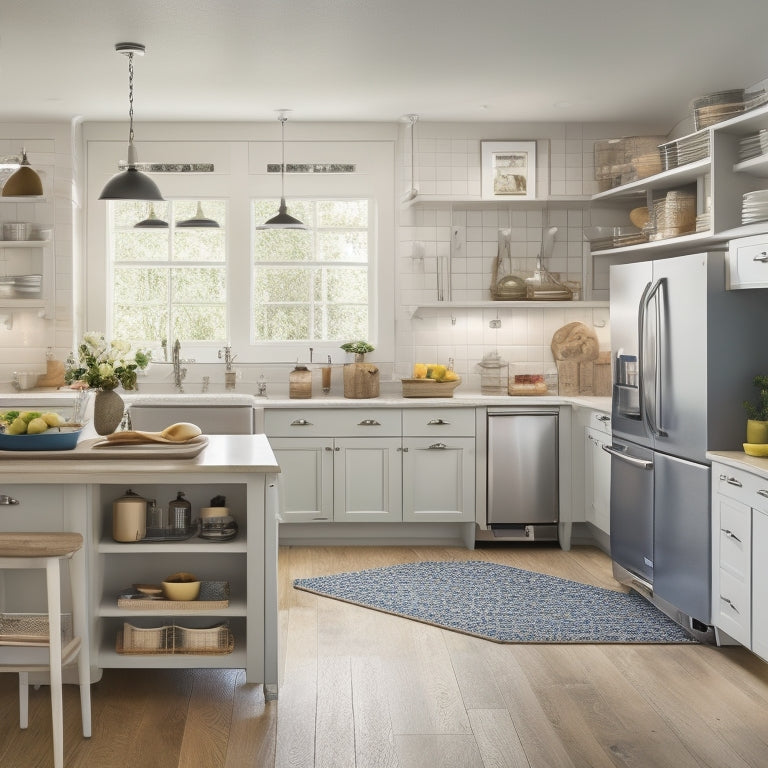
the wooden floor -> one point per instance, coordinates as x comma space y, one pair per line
361, 688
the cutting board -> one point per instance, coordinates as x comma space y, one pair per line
99, 448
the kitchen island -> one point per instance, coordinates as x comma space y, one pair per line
75, 491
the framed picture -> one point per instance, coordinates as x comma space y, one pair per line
508, 170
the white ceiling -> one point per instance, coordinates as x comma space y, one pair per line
377, 60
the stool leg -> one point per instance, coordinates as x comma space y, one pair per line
77, 581
53, 573
23, 699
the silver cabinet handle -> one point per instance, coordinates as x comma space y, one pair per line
762, 492
730, 603
730, 535
763, 256
603, 418
733, 481
8, 500
301, 423
437, 446
328, 448
369, 423
437, 423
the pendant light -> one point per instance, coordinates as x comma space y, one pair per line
151, 222
198, 220
24, 182
283, 220
130, 184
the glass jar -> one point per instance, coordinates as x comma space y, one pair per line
494, 374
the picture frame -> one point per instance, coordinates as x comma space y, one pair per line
508, 170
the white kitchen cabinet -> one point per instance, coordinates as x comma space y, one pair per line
306, 478
367, 480
760, 582
748, 262
375, 464
598, 480
740, 555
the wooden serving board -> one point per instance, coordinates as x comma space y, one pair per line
100, 448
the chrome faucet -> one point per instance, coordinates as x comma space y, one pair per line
178, 372
230, 375
261, 386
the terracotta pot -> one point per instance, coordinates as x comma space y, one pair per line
108, 408
757, 431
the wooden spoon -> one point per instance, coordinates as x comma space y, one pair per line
175, 433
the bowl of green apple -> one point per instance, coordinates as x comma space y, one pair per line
37, 431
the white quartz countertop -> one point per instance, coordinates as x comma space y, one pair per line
740, 460
233, 454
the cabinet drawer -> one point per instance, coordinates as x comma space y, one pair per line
743, 486
735, 529
600, 421
734, 615
332, 422
425, 422
748, 262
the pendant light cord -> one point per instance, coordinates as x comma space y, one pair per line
130, 97
283, 120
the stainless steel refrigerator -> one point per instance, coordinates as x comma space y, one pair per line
684, 353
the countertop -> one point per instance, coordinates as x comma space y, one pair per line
460, 399
234, 454
740, 460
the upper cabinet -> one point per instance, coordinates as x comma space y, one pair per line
723, 163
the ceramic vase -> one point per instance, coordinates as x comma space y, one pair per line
757, 431
108, 408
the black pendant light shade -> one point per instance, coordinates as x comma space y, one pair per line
198, 220
23, 182
151, 222
130, 184
283, 220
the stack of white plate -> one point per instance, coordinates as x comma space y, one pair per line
27, 286
755, 206
693, 147
754, 145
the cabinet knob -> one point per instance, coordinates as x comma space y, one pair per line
437, 422
7, 500
438, 446
762, 257
369, 423
301, 423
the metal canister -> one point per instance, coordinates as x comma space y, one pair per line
180, 512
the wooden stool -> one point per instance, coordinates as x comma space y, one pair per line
46, 551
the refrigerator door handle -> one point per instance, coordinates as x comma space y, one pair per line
651, 397
624, 456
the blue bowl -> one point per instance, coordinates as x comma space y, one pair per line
56, 439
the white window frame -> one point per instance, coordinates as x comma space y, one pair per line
240, 176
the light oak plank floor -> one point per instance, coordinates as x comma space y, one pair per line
362, 689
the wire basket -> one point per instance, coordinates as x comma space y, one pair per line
172, 638
31, 628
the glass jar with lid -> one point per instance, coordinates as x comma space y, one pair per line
494, 374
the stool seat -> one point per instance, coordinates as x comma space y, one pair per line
39, 544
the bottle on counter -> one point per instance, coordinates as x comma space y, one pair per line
180, 513
300, 383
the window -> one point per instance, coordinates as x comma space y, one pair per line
312, 285
168, 283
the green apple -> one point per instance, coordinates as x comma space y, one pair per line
17, 427
37, 427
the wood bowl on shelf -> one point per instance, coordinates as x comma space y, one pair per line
429, 388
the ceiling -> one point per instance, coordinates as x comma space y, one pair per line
377, 60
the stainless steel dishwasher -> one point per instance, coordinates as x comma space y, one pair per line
523, 489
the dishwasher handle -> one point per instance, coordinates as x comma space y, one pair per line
624, 456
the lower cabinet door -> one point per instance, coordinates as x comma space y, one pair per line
305, 479
760, 583
367, 479
439, 479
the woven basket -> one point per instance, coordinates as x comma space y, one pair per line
22, 628
429, 388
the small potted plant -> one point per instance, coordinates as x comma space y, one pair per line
361, 379
358, 348
757, 413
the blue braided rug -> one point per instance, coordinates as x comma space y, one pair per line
501, 603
